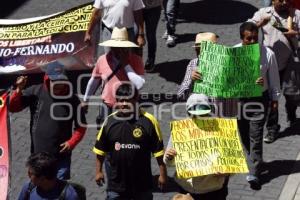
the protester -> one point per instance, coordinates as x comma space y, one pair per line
254, 109
151, 14
192, 73
124, 13
282, 39
54, 110
127, 138
43, 184
223, 107
118, 65
171, 8
203, 187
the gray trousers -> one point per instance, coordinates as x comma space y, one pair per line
251, 126
151, 18
171, 8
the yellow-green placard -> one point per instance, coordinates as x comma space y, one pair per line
207, 146
229, 72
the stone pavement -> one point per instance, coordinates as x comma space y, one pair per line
220, 16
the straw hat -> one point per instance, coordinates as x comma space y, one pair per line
119, 38
208, 36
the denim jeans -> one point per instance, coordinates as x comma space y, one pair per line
171, 11
147, 195
64, 168
151, 18
272, 121
251, 126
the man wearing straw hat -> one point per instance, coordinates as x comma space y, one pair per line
191, 73
229, 106
121, 13
113, 68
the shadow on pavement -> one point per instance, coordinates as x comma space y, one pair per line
172, 71
294, 129
278, 168
187, 37
215, 12
9, 7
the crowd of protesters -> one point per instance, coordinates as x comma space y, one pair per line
128, 135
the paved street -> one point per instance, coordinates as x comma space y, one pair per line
220, 16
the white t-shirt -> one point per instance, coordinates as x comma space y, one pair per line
118, 13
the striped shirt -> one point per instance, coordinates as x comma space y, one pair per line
221, 107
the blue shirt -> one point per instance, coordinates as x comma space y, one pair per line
37, 194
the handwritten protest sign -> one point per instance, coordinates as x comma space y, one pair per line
26, 44
229, 72
207, 146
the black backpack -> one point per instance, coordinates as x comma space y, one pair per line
80, 190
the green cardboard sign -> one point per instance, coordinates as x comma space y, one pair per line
229, 72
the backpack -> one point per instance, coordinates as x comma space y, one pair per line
80, 190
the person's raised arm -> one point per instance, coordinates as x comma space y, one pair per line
95, 18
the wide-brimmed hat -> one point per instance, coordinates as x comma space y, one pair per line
197, 104
119, 38
207, 36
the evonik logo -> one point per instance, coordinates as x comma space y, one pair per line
119, 146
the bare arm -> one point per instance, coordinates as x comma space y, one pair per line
139, 20
99, 172
162, 179
96, 16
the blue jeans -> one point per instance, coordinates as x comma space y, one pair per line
151, 18
64, 168
147, 195
171, 10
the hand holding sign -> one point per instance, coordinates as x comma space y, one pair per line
196, 75
170, 153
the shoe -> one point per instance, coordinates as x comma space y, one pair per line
171, 41
165, 35
149, 66
269, 138
254, 182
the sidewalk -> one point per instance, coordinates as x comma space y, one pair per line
291, 189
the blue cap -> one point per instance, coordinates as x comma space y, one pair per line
56, 71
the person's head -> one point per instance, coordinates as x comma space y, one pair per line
182, 197
249, 33
119, 43
282, 6
127, 96
207, 36
197, 105
120, 52
59, 83
42, 167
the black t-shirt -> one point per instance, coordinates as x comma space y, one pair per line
128, 145
51, 119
